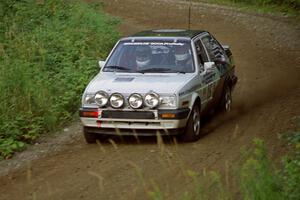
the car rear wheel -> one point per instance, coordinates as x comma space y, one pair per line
90, 138
226, 102
192, 131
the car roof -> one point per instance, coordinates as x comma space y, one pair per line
169, 33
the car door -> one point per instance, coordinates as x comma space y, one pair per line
217, 55
209, 77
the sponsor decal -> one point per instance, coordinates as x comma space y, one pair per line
195, 87
209, 77
154, 43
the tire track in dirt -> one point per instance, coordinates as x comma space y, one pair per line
266, 97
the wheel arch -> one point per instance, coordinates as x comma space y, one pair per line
195, 100
189, 135
228, 82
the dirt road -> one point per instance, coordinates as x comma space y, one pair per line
267, 96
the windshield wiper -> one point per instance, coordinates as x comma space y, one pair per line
151, 70
163, 70
117, 67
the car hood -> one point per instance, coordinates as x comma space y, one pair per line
139, 83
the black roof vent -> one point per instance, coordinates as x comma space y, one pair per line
168, 30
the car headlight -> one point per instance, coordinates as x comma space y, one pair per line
88, 99
152, 100
135, 100
101, 98
116, 100
168, 101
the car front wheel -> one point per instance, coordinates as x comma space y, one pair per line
89, 137
192, 131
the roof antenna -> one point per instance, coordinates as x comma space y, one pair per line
190, 2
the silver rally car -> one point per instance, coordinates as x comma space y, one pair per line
159, 82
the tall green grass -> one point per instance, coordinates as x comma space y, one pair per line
295, 4
290, 7
255, 177
48, 52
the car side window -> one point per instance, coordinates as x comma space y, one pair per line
201, 54
215, 51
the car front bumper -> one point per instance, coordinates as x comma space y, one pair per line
129, 122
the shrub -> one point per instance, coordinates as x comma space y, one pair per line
48, 53
290, 175
295, 4
258, 179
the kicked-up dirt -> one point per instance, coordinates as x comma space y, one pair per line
266, 98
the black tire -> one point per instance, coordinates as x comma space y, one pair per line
193, 127
90, 138
226, 101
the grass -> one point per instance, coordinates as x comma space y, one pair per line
255, 178
48, 53
278, 7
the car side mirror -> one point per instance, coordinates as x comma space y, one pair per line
209, 66
101, 63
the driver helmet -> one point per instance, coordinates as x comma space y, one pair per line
182, 53
143, 54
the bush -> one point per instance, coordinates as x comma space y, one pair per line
48, 53
290, 174
295, 4
258, 179
289, 7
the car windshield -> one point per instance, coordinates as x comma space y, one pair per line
151, 57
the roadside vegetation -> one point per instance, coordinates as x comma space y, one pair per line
48, 52
286, 7
255, 178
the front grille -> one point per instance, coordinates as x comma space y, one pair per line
128, 114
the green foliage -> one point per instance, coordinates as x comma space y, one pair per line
291, 3
291, 177
293, 137
48, 53
282, 5
9, 146
290, 174
291, 7
257, 177
259, 180
156, 194
206, 186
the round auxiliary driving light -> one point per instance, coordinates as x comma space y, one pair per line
135, 101
101, 98
116, 100
152, 100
